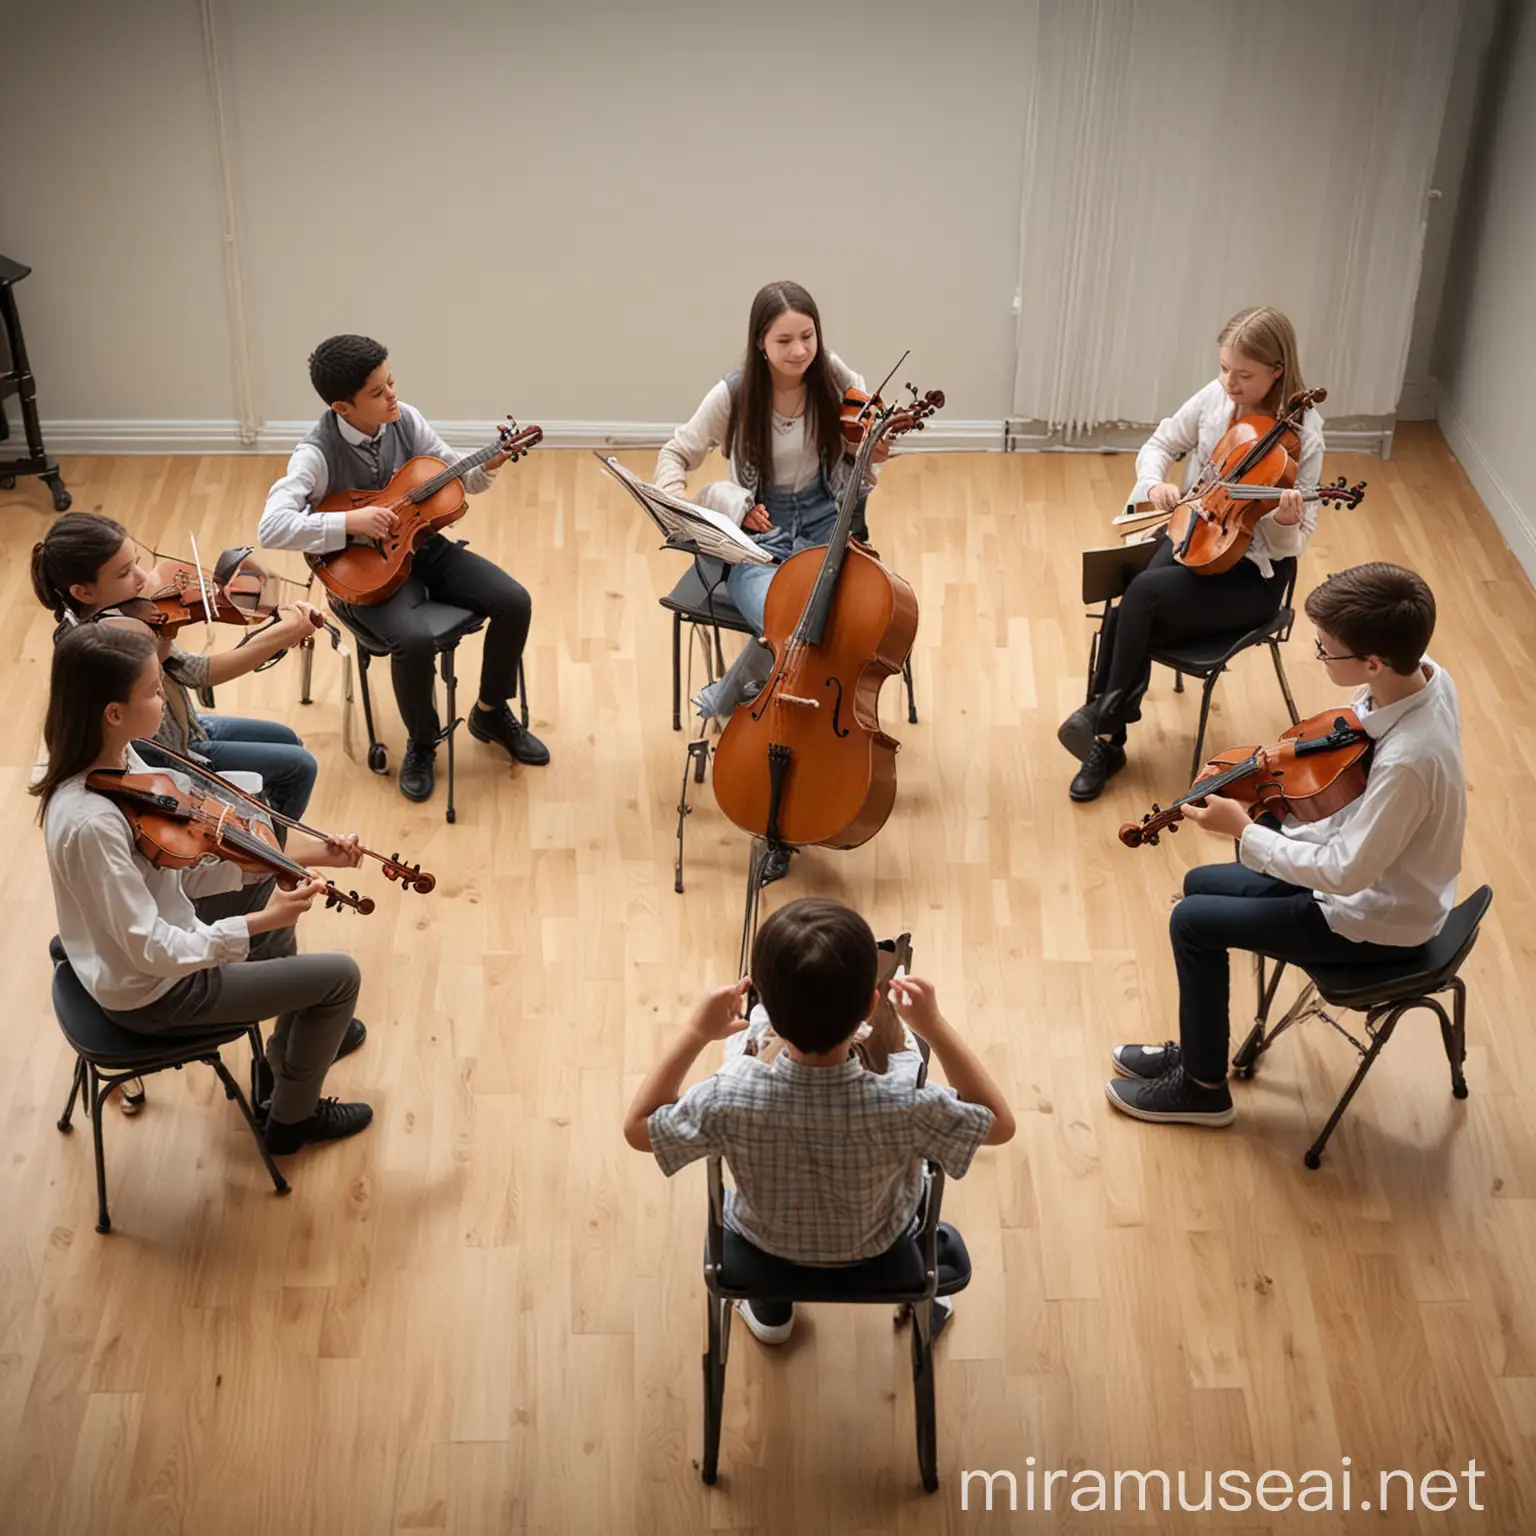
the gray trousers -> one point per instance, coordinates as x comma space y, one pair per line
310, 996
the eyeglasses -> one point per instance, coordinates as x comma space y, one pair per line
1323, 655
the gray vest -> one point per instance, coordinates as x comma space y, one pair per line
350, 468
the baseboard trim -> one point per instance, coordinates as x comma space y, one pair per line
126, 437
1517, 527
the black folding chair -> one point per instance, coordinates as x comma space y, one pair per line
1383, 993
1107, 573
909, 1275
106, 1055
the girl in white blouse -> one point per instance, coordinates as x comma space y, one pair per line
777, 419
1168, 602
131, 931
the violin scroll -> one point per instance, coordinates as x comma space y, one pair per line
1340, 494
411, 876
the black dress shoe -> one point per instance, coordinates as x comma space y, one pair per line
417, 778
356, 1033
1078, 731
1105, 759
331, 1121
503, 728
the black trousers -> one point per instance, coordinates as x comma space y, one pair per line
446, 572
1166, 603
1227, 907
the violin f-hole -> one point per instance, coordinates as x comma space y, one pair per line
837, 706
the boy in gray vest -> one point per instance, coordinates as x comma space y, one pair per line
366, 434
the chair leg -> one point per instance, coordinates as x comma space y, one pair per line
1285, 686
1261, 1037
1454, 1034
719, 1323
522, 690
923, 1395
451, 685
1313, 1156
1205, 715
232, 1088
378, 760
76, 1087
677, 671
693, 762
306, 671
906, 672
98, 1096
1178, 682
258, 1056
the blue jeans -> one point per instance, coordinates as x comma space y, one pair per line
1227, 907
265, 747
801, 520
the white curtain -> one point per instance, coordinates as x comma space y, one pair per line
1186, 158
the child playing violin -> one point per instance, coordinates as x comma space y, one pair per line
130, 930
86, 570
1370, 883
365, 435
1166, 602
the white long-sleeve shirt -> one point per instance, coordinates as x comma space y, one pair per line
796, 464
1384, 868
289, 521
129, 929
1195, 429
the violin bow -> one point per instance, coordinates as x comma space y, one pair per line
411, 876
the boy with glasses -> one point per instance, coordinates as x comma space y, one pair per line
1370, 883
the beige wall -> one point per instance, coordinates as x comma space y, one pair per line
558, 208
1487, 358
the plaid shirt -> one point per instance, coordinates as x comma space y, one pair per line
828, 1161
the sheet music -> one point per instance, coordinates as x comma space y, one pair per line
686, 522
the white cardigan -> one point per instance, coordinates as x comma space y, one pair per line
1195, 428
690, 445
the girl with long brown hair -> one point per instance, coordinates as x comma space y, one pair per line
139, 939
1259, 371
776, 417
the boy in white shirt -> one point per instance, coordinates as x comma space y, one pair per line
1371, 883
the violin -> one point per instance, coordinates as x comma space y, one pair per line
181, 593
805, 761
175, 829
425, 495
411, 876
1316, 768
1255, 459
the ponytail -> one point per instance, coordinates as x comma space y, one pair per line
73, 551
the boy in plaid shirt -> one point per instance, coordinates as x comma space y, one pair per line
827, 1155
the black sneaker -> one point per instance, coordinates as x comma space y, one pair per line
416, 771
331, 1121
1103, 762
1175, 1097
502, 727
1145, 1062
356, 1033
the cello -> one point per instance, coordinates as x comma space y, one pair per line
1254, 460
805, 761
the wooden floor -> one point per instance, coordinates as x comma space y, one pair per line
486, 1314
